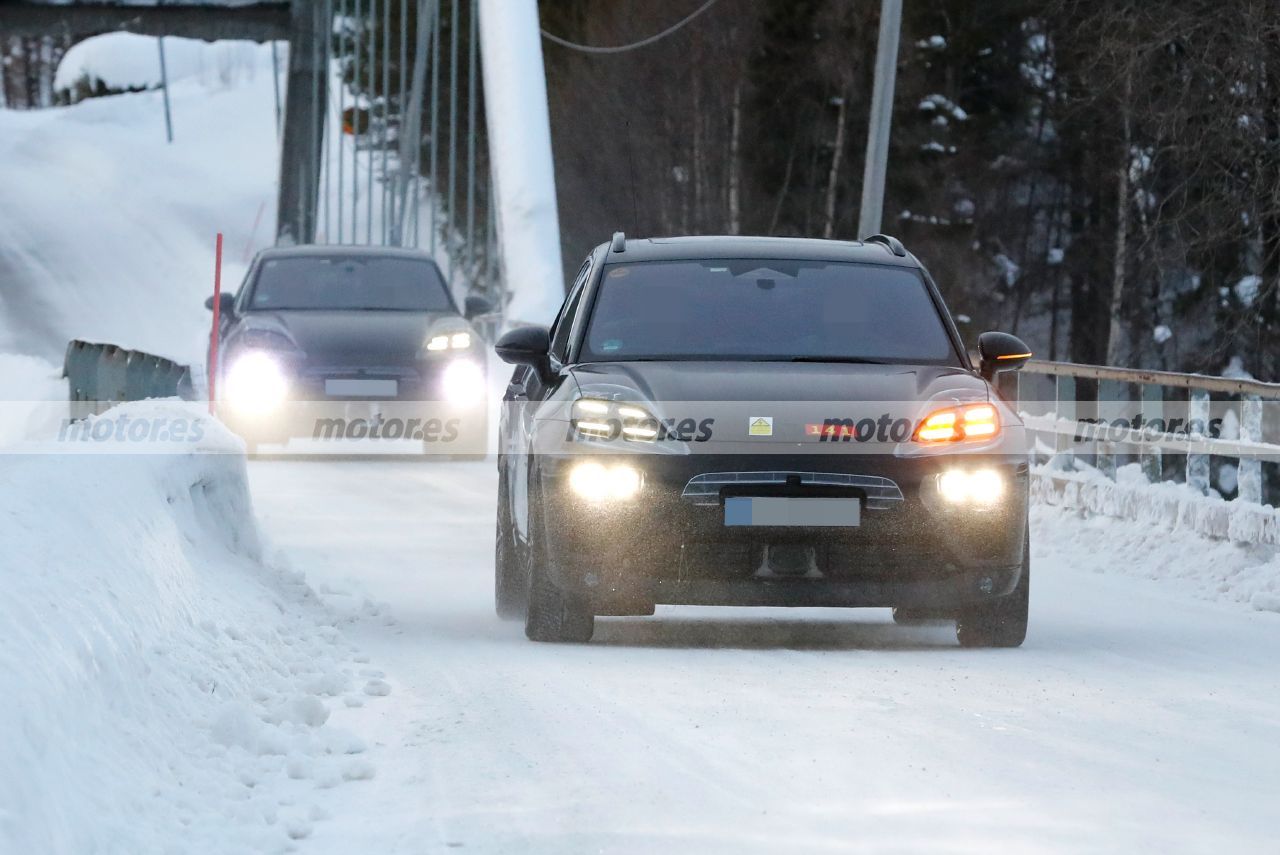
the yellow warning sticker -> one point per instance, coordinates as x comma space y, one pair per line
760, 426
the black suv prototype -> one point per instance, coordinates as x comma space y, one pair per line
320, 337
759, 421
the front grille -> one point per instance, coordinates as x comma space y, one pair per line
882, 494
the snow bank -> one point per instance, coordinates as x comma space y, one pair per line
126, 60
28, 386
1223, 550
109, 231
166, 690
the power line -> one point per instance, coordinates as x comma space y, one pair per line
624, 48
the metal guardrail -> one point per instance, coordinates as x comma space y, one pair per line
1145, 391
101, 375
1172, 379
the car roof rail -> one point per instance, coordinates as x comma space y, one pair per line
890, 243
619, 242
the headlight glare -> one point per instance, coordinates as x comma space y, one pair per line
256, 384
462, 382
596, 482
981, 488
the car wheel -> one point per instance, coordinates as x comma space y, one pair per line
510, 590
1002, 622
552, 615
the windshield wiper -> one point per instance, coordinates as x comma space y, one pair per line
847, 360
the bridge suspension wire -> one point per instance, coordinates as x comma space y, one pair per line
551, 37
405, 93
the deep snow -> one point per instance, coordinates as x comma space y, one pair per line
167, 689
96, 242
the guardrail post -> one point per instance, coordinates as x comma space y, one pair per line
1065, 408
1251, 431
81, 370
1152, 410
1112, 394
1198, 420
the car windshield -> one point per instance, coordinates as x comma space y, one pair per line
350, 283
766, 310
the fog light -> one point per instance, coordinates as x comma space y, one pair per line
256, 384
597, 483
981, 487
462, 382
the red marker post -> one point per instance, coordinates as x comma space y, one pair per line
217, 318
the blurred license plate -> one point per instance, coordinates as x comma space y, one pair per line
791, 511
361, 388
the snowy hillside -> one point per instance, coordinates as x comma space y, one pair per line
107, 231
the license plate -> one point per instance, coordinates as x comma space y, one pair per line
361, 388
791, 511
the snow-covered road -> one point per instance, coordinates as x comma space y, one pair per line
1135, 718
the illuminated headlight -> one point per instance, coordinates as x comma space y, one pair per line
596, 418
462, 382
256, 384
981, 488
598, 483
449, 341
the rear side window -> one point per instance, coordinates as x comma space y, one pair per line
766, 310
564, 323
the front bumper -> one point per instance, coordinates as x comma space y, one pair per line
418, 411
664, 547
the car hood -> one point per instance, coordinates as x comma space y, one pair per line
777, 381
354, 337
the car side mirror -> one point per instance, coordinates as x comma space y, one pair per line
226, 303
999, 352
476, 306
527, 346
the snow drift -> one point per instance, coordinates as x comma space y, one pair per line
167, 690
128, 61
108, 231
1168, 532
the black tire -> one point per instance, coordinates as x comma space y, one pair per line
552, 615
510, 588
1002, 622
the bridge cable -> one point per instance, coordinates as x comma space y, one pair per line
623, 48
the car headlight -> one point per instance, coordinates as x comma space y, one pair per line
954, 424
980, 488
462, 382
596, 418
596, 482
256, 384
449, 341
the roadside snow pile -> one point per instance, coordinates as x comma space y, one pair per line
129, 61
1223, 550
109, 230
28, 387
166, 691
